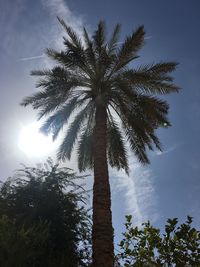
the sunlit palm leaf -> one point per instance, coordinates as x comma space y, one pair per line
67, 145
56, 121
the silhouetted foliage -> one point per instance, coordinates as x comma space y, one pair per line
22, 246
97, 72
45, 202
178, 246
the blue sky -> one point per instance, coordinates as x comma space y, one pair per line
170, 186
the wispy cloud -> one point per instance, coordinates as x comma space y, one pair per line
61, 9
57, 8
138, 190
170, 149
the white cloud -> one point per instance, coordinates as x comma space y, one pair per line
138, 190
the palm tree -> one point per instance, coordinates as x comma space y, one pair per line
94, 81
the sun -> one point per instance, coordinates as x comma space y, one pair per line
33, 143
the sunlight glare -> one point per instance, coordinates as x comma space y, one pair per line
33, 143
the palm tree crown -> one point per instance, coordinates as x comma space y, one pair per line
93, 72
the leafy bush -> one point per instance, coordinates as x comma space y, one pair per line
178, 246
43, 218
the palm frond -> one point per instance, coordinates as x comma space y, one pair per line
86, 37
89, 50
56, 121
67, 145
113, 43
117, 154
68, 59
156, 141
129, 48
151, 108
152, 79
61, 57
76, 41
58, 85
137, 146
140, 119
85, 151
34, 99
99, 37
135, 135
85, 146
164, 67
121, 86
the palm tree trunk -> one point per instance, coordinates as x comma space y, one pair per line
102, 234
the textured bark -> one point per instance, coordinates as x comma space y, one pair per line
102, 236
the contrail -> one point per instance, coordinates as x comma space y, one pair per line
30, 58
148, 37
145, 38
